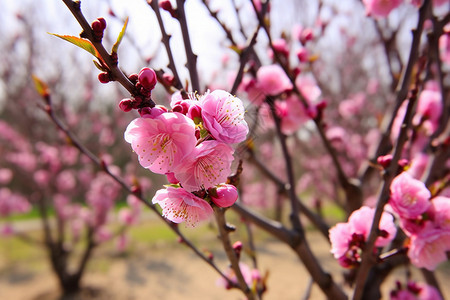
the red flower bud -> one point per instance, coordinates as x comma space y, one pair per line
126, 105
102, 22
147, 78
385, 160
104, 77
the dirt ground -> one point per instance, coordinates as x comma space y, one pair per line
170, 271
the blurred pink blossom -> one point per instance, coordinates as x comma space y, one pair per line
380, 8
272, 80
428, 248
409, 196
6, 176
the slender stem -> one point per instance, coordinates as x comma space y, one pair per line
402, 88
244, 57
367, 256
190, 56
165, 39
353, 191
295, 209
231, 254
75, 9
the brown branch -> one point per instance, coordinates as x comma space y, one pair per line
224, 231
101, 164
352, 189
75, 9
165, 39
367, 256
190, 56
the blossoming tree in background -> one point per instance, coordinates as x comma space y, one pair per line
290, 129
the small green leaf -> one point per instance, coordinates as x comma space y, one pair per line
236, 49
120, 37
40, 86
100, 67
82, 43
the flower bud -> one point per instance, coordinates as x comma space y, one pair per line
104, 77
224, 195
133, 78
195, 113
307, 35
147, 78
126, 105
302, 55
385, 160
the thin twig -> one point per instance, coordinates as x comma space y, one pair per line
101, 164
231, 254
165, 39
190, 56
367, 256
75, 9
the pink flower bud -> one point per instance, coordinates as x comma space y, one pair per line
225, 195
307, 35
126, 105
168, 79
302, 55
147, 78
195, 113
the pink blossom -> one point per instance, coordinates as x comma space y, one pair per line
272, 80
415, 291
409, 196
441, 212
178, 205
247, 273
429, 109
418, 165
65, 180
428, 248
224, 195
351, 107
292, 114
223, 117
126, 216
103, 234
6, 230
308, 88
162, 142
340, 237
361, 221
380, 8
6, 176
444, 47
11, 203
208, 165
251, 87
101, 196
